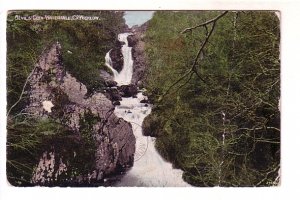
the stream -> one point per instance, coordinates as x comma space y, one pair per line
149, 168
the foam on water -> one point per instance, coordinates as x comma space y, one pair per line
149, 168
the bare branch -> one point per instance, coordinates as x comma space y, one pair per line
260, 128
196, 72
183, 84
176, 82
26, 81
201, 50
193, 69
23, 90
267, 174
205, 23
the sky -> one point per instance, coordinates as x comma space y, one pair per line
137, 17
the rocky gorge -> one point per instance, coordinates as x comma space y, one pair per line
96, 146
167, 103
62, 128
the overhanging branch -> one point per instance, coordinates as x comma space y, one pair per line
205, 23
193, 70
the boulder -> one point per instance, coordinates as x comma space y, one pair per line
113, 94
111, 83
144, 101
132, 40
116, 103
152, 125
128, 90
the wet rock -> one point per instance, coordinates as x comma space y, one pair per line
128, 90
113, 94
68, 160
116, 103
117, 57
111, 83
144, 101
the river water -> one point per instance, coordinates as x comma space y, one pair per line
149, 168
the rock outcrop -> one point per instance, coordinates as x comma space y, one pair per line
150, 124
136, 41
117, 56
98, 145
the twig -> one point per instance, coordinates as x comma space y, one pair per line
183, 84
196, 72
266, 176
176, 82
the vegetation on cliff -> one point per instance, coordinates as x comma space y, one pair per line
216, 112
84, 45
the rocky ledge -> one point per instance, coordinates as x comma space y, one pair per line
98, 145
136, 41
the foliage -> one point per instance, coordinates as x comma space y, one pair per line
84, 44
29, 138
224, 130
26, 141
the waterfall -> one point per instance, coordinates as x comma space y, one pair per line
125, 75
149, 168
108, 63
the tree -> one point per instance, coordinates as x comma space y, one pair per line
219, 120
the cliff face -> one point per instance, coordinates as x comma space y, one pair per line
99, 143
136, 41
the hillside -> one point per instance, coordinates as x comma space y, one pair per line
216, 90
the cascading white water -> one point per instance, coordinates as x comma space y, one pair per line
125, 75
149, 168
108, 63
